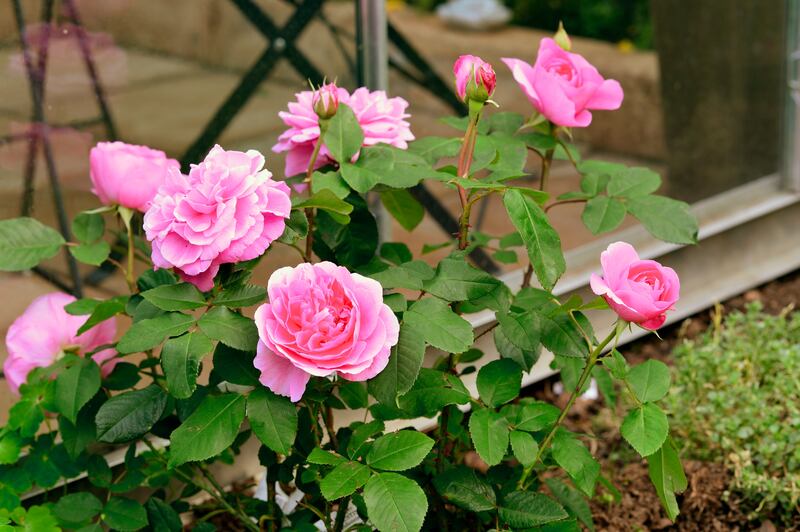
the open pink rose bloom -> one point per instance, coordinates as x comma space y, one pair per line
639, 291
228, 209
44, 332
322, 320
382, 119
564, 86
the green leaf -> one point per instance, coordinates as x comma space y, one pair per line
273, 419
455, 280
121, 513
180, 359
499, 381
321, 457
395, 503
10, 447
344, 136
361, 433
76, 508
296, 227
489, 433
162, 517
524, 447
411, 275
25, 242
400, 373
395, 252
241, 296
541, 240
77, 436
572, 500
36, 519
573, 456
645, 428
235, 366
360, 179
439, 325
524, 509
432, 391
353, 394
327, 201
666, 219
75, 386
666, 473
181, 296
536, 416
616, 364
649, 380
343, 480
329, 181
463, 487
26, 415
403, 207
103, 311
538, 141
561, 335
505, 256
125, 375
399, 451
525, 358
633, 182
88, 227
129, 415
602, 214
434, 148
94, 254
230, 328
505, 122
148, 333
209, 430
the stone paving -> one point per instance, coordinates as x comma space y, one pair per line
176, 75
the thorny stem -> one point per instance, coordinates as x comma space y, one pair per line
323, 127
464, 162
587, 371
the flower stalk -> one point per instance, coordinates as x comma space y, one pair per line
594, 356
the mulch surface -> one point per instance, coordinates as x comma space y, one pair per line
706, 505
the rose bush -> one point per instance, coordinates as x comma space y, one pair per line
357, 325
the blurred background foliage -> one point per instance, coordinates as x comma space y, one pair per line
618, 21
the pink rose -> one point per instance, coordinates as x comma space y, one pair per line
44, 332
475, 78
326, 100
382, 119
640, 291
563, 86
228, 209
320, 320
128, 175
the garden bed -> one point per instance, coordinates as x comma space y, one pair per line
707, 504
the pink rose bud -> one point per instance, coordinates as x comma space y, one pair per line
128, 175
563, 86
326, 101
639, 291
562, 38
475, 78
322, 320
228, 209
44, 332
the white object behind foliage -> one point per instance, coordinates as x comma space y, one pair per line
474, 14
